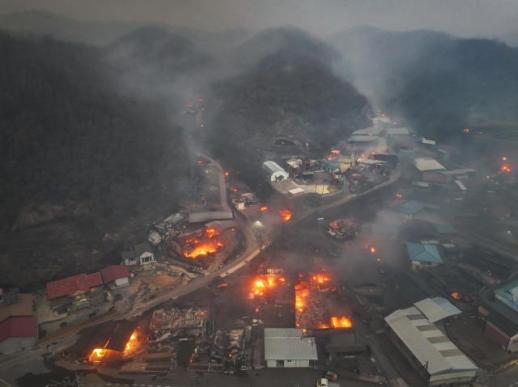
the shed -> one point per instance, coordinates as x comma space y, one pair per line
424, 164
288, 348
275, 172
423, 255
437, 308
116, 274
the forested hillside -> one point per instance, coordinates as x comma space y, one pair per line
74, 147
291, 91
441, 84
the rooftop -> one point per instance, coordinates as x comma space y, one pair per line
508, 294
18, 327
437, 308
410, 207
423, 252
288, 344
114, 272
22, 307
428, 344
428, 165
70, 285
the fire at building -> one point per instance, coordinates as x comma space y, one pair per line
285, 214
314, 306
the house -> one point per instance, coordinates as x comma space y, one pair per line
116, 275
288, 348
275, 172
499, 309
71, 286
426, 347
18, 326
425, 165
141, 254
423, 255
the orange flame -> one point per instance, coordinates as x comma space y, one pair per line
285, 215
341, 322
97, 355
262, 283
301, 296
211, 232
506, 168
263, 208
203, 249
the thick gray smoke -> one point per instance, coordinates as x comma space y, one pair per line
460, 17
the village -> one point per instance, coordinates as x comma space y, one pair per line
355, 271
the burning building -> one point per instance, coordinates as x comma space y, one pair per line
199, 244
343, 229
314, 308
110, 342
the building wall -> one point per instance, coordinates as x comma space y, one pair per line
15, 344
463, 377
495, 334
288, 364
513, 344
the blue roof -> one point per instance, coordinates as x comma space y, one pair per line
508, 294
444, 228
411, 207
423, 252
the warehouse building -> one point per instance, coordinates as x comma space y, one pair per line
275, 172
18, 325
433, 354
288, 348
499, 308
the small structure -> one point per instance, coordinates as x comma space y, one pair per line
288, 348
116, 275
18, 326
423, 255
71, 286
428, 348
499, 307
437, 308
424, 164
209, 216
141, 254
428, 142
275, 172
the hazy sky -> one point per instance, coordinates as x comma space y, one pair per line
461, 17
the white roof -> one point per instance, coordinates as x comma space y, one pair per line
398, 131
296, 191
273, 167
436, 353
370, 131
288, 344
437, 308
461, 185
427, 165
427, 141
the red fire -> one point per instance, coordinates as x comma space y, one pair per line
506, 168
227, 173
285, 215
320, 279
211, 232
263, 208
301, 296
341, 322
203, 248
455, 295
265, 282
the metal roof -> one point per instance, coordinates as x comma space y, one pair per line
273, 167
422, 252
434, 351
428, 165
437, 308
288, 344
508, 294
